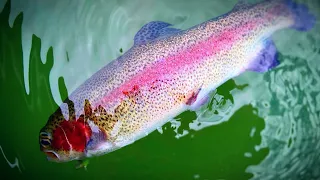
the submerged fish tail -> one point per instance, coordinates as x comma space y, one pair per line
304, 20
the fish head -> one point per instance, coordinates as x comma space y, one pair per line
64, 140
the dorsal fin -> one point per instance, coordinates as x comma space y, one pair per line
168, 31
152, 31
87, 109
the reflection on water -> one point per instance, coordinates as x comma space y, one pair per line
12, 165
292, 120
226, 138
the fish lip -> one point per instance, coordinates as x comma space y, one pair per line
52, 159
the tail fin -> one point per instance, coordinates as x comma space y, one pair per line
304, 20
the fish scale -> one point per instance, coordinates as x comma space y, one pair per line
168, 71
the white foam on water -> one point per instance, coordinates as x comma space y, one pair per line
12, 165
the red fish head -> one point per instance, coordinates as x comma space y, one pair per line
64, 140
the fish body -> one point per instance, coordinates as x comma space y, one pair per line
166, 72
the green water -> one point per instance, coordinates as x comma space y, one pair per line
261, 126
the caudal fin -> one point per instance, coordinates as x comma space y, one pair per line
304, 19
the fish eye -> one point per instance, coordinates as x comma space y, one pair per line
45, 139
45, 142
44, 135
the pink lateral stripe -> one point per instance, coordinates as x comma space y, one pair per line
171, 64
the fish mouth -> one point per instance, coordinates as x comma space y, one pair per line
51, 155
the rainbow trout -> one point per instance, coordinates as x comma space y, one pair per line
166, 72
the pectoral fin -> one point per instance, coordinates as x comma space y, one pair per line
72, 114
195, 102
82, 164
199, 103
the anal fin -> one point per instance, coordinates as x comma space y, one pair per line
266, 59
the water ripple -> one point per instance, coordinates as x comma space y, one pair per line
292, 121
12, 165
